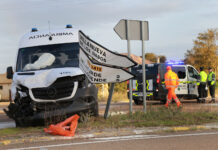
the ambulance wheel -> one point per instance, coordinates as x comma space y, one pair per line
138, 102
163, 101
95, 112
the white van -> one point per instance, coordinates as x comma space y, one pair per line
155, 85
47, 78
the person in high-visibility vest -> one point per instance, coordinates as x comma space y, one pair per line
202, 87
171, 82
211, 82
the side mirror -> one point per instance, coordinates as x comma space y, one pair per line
10, 72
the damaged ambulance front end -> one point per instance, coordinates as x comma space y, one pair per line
47, 81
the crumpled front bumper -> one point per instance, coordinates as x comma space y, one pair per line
84, 100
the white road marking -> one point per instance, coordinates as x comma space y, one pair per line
116, 139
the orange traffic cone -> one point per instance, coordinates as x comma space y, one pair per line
62, 128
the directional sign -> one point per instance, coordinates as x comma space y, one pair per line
134, 29
97, 73
103, 55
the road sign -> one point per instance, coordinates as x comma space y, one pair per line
98, 73
103, 55
133, 28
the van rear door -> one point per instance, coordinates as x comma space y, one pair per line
151, 76
181, 71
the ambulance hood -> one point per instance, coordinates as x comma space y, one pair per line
43, 78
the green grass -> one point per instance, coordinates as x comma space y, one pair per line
153, 117
19, 131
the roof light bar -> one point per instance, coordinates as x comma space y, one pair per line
69, 26
174, 62
34, 30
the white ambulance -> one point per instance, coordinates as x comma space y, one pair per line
47, 80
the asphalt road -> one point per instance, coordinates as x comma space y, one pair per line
173, 141
183, 141
188, 105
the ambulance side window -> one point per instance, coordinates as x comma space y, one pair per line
180, 71
192, 72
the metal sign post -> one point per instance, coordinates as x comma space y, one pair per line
129, 55
134, 30
109, 100
143, 68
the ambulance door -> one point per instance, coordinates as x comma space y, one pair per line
192, 81
181, 71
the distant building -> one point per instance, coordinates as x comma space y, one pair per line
5, 86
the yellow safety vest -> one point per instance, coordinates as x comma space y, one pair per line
203, 75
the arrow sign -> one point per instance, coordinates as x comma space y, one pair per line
103, 55
98, 73
134, 29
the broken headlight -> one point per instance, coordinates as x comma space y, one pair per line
22, 91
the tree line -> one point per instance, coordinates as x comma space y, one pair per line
205, 50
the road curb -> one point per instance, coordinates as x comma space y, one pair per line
111, 133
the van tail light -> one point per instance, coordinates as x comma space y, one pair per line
158, 78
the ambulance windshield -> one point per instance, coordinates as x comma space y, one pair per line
48, 56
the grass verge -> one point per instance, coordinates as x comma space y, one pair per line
153, 117
19, 131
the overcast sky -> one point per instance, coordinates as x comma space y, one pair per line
173, 24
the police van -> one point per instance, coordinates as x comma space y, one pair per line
47, 80
155, 85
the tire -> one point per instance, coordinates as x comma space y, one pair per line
198, 101
163, 101
84, 116
18, 124
95, 110
138, 102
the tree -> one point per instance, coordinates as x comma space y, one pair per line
151, 56
162, 58
204, 51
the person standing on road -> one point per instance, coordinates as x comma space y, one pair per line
202, 93
171, 82
211, 82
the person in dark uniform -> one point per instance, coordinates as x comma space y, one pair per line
211, 81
